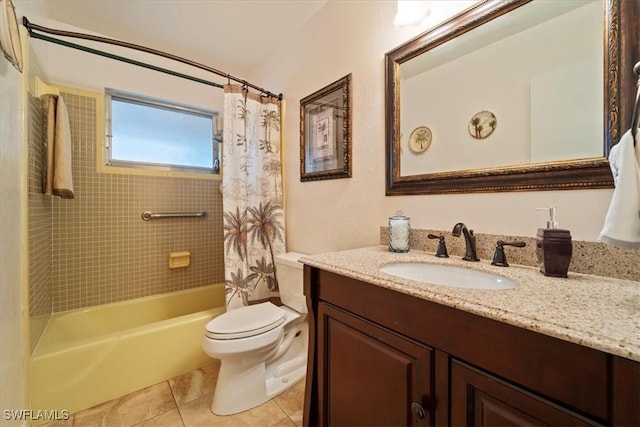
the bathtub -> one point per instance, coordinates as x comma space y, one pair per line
92, 355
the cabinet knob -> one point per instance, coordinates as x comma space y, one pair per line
419, 410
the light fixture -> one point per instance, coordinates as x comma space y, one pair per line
410, 12
10, 35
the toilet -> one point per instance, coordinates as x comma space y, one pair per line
263, 347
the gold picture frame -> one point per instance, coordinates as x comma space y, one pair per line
325, 132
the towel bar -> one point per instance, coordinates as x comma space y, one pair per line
41, 88
148, 215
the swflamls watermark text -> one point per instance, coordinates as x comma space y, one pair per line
39, 415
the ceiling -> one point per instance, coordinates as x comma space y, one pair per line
230, 35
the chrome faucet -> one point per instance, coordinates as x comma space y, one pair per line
469, 240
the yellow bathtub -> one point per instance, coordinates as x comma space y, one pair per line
92, 355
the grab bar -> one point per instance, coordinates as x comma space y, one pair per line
148, 215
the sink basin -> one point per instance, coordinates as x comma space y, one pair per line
447, 275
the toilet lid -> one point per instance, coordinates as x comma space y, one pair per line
246, 321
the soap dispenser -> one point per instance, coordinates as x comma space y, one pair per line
554, 247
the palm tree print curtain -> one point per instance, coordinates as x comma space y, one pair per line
252, 195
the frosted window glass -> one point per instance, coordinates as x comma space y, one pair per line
149, 134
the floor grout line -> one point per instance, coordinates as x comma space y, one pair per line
175, 402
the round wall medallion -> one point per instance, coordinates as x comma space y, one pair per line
482, 124
420, 139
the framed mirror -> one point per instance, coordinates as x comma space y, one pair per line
518, 95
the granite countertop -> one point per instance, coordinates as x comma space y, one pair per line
597, 312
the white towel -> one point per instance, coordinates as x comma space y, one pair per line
59, 179
622, 224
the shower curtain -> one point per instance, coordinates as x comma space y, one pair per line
252, 195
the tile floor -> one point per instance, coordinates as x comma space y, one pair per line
184, 401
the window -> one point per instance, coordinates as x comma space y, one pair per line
149, 133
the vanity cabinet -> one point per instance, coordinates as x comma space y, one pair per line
382, 357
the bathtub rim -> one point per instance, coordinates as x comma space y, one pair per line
63, 347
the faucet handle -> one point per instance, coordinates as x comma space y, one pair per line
499, 257
441, 252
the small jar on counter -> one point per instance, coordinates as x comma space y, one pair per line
399, 232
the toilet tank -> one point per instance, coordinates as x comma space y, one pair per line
290, 280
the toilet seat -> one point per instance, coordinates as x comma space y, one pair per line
245, 322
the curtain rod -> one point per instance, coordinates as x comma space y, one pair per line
31, 27
123, 59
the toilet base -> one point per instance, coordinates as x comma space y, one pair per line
241, 387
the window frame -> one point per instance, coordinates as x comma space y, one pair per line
151, 102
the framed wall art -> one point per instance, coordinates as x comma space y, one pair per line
420, 139
482, 124
325, 132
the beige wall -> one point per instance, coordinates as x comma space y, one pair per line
352, 37
13, 263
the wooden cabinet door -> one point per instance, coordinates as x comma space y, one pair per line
480, 399
370, 376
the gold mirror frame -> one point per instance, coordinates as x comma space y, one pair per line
621, 53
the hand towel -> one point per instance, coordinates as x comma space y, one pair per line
59, 178
622, 224
51, 133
